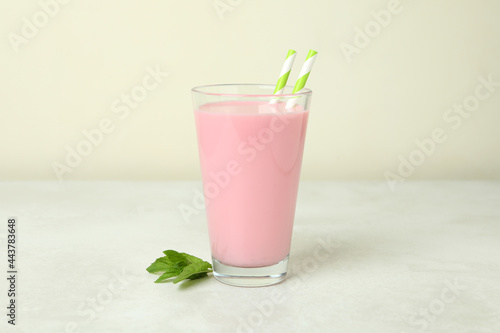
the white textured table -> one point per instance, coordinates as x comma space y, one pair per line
422, 259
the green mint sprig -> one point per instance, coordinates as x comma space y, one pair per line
177, 267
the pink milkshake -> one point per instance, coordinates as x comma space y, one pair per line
251, 155
250, 143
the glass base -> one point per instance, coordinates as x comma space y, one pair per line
250, 277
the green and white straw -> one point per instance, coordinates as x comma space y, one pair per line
303, 76
285, 72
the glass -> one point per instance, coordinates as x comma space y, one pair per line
250, 148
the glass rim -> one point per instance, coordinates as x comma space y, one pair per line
198, 89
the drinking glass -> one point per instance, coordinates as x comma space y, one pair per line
250, 147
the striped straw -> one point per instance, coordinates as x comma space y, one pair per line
303, 76
285, 72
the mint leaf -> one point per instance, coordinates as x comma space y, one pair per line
174, 256
198, 276
192, 270
169, 273
182, 258
179, 265
160, 265
192, 259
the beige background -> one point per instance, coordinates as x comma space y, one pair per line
366, 112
